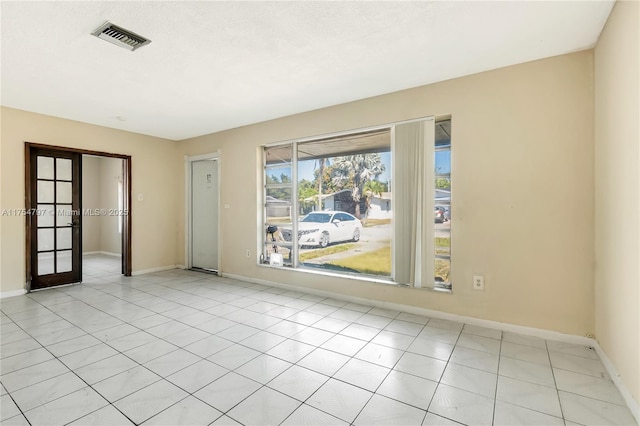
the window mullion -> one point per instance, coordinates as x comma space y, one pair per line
278, 185
428, 236
294, 206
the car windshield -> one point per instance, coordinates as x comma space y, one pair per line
317, 217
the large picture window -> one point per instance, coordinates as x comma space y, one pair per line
341, 213
329, 204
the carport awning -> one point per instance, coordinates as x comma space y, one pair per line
353, 144
378, 140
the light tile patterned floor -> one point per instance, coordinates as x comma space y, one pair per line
181, 347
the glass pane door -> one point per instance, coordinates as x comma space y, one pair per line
55, 219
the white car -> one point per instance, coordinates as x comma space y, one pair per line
321, 228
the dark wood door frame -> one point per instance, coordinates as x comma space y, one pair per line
126, 184
60, 200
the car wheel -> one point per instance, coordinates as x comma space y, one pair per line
356, 235
324, 240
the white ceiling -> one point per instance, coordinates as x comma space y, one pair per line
218, 65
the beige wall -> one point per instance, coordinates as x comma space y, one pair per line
522, 165
617, 172
154, 175
91, 200
110, 175
100, 178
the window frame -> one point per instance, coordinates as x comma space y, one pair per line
295, 213
439, 286
265, 206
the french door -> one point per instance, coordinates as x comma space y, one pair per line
54, 215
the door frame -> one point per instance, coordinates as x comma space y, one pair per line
188, 223
73, 218
126, 181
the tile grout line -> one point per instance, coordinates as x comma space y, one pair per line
495, 395
57, 359
555, 382
235, 294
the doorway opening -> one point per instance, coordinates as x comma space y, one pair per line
103, 215
202, 177
55, 223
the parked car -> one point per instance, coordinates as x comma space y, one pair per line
318, 229
439, 214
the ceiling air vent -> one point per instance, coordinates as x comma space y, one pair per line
119, 36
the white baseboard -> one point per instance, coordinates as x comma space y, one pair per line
530, 331
181, 267
106, 253
150, 270
617, 380
12, 293
537, 332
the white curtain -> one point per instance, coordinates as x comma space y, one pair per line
413, 197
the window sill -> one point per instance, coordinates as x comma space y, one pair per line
307, 270
365, 278
442, 290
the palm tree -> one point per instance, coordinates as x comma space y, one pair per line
372, 188
354, 171
321, 163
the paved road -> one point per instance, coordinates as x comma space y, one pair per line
443, 229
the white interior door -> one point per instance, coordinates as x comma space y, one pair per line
204, 214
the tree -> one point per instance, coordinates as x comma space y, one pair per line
443, 183
323, 176
306, 190
372, 188
354, 171
279, 193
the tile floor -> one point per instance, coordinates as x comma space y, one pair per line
181, 347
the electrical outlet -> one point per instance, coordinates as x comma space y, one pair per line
478, 282
248, 253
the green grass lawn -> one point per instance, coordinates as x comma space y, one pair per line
326, 251
375, 222
443, 242
443, 245
376, 262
